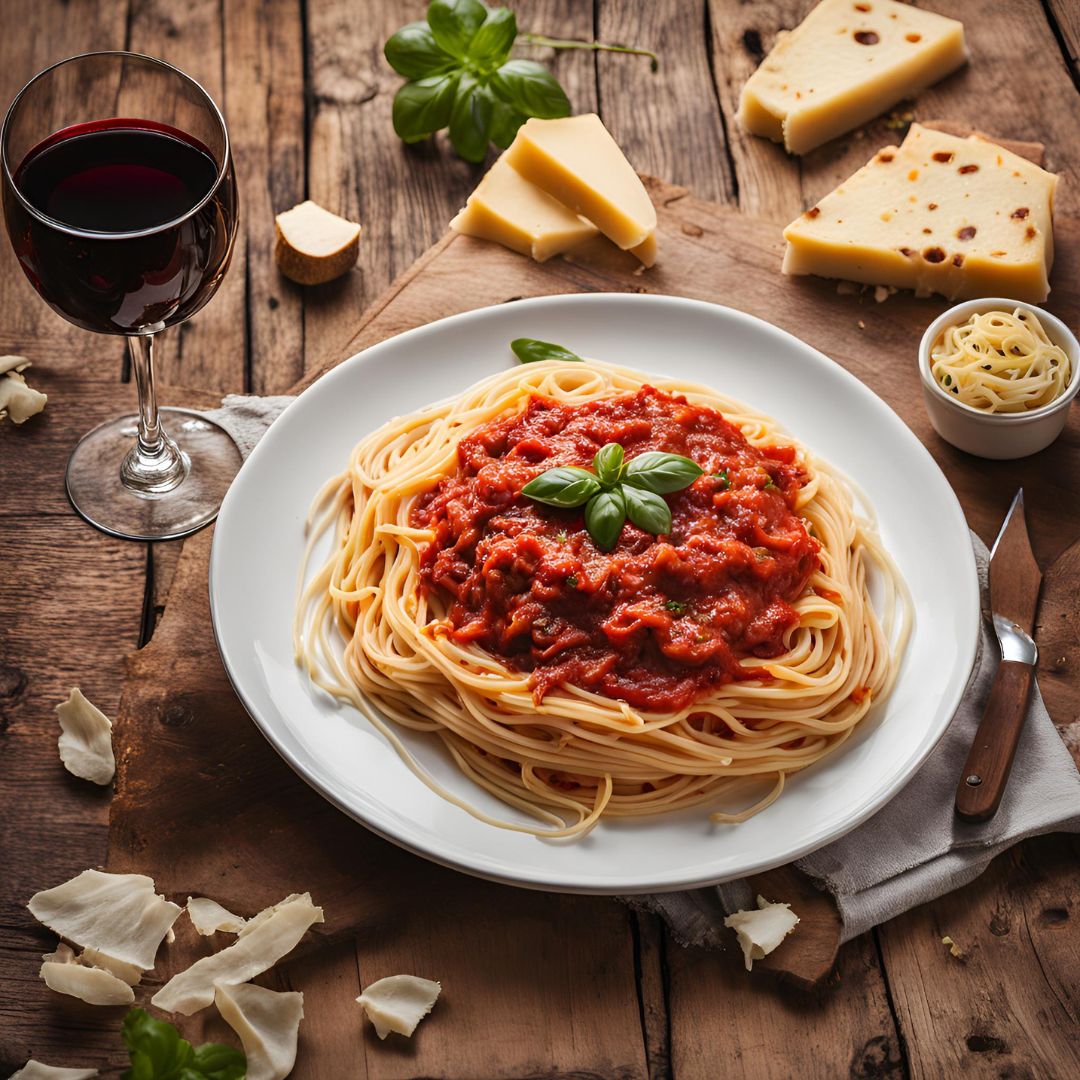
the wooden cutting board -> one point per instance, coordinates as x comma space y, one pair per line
205, 806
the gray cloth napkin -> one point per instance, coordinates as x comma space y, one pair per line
910, 852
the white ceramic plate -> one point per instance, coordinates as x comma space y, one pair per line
259, 539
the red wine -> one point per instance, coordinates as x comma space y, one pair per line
110, 247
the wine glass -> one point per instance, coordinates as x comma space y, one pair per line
120, 202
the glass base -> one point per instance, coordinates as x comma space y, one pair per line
97, 492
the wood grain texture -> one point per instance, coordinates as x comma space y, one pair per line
1057, 630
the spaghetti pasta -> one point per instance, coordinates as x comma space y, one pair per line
368, 631
1000, 362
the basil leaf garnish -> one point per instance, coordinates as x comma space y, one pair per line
608, 463
531, 351
423, 106
531, 89
605, 515
454, 24
565, 487
647, 510
414, 53
661, 473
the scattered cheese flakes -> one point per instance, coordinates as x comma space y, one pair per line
258, 948
398, 1003
267, 1022
34, 1070
85, 739
208, 917
954, 949
129, 973
118, 915
883, 292
63, 973
17, 399
761, 931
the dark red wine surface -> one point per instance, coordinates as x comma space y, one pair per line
120, 250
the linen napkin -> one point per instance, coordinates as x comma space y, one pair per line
913, 850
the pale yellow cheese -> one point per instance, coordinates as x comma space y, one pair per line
313, 246
939, 214
845, 63
576, 161
506, 208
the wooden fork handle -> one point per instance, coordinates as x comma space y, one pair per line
990, 759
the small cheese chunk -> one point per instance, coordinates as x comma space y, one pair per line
576, 161
267, 1022
761, 931
313, 245
35, 1070
18, 400
208, 917
506, 208
263, 942
960, 217
85, 739
398, 1003
118, 915
844, 64
63, 973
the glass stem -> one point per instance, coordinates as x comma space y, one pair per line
154, 465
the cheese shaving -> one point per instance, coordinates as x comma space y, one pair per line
398, 1003
35, 1070
258, 948
118, 915
267, 1022
85, 739
761, 931
17, 399
128, 973
63, 973
208, 917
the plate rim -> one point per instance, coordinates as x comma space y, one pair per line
542, 881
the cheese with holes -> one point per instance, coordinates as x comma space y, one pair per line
847, 62
506, 208
938, 214
576, 161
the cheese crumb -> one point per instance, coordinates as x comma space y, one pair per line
954, 949
398, 1003
208, 917
85, 739
761, 931
17, 399
267, 1022
63, 973
118, 915
35, 1070
262, 943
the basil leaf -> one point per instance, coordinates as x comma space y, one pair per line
491, 44
605, 515
154, 1046
454, 24
530, 351
218, 1062
531, 89
661, 473
470, 119
647, 510
414, 53
566, 487
608, 463
423, 106
505, 121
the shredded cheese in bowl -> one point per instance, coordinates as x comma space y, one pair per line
1000, 362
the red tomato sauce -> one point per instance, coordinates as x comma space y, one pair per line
659, 620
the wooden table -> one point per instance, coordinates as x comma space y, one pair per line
307, 97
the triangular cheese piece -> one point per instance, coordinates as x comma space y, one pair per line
85, 741
938, 214
398, 1003
845, 63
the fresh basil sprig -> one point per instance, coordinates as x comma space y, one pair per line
158, 1053
616, 490
531, 351
457, 61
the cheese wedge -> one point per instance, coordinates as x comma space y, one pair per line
845, 63
314, 246
939, 214
576, 161
506, 208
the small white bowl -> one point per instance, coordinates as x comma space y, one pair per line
1001, 436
